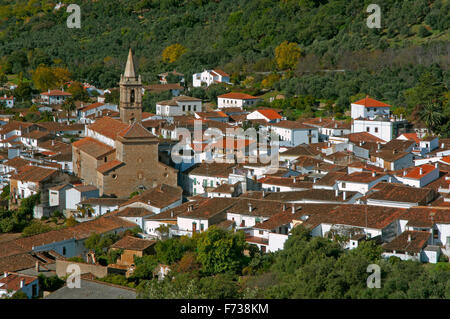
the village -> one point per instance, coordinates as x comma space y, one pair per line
113, 169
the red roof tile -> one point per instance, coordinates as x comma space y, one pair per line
369, 102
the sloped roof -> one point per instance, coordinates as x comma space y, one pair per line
369, 102
93, 147
418, 240
105, 168
108, 127
237, 96
133, 243
135, 130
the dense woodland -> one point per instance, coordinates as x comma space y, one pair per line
329, 53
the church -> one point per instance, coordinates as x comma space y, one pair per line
120, 157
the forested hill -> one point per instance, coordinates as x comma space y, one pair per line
238, 35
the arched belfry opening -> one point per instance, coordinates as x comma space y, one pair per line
132, 96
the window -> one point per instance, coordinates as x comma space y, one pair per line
368, 129
376, 129
202, 227
64, 251
261, 232
343, 185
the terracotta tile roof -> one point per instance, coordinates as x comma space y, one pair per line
310, 194
108, 127
305, 150
426, 216
363, 137
163, 87
93, 147
160, 196
279, 219
355, 215
415, 172
56, 93
330, 178
411, 137
85, 188
361, 177
209, 208
213, 114
257, 240
408, 241
237, 96
225, 188
109, 166
10, 248
133, 243
211, 169
270, 114
292, 125
16, 163
60, 127
295, 182
390, 155
262, 208
398, 145
17, 262
233, 143
401, 193
36, 134
220, 72
35, 174
12, 281
92, 106
369, 102
133, 212
136, 130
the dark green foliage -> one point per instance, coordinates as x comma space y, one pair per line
50, 283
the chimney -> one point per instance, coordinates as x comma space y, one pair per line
263, 193
5, 274
249, 207
344, 195
171, 214
336, 192
293, 209
421, 171
436, 165
374, 173
404, 173
284, 206
295, 180
409, 238
379, 146
442, 145
22, 283
37, 266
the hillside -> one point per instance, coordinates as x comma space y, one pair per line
239, 36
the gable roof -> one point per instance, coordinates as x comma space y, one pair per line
269, 114
93, 147
369, 102
133, 243
56, 93
135, 130
108, 127
109, 166
160, 196
237, 96
408, 241
34, 174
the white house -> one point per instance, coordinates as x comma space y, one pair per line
10, 283
178, 106
420, 176
208, 77
55, 96
234, 99
369, 108
360, 182
268, 115
79, 193
292, 133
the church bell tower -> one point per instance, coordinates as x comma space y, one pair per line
130, 94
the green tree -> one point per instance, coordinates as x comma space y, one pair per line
221, 251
